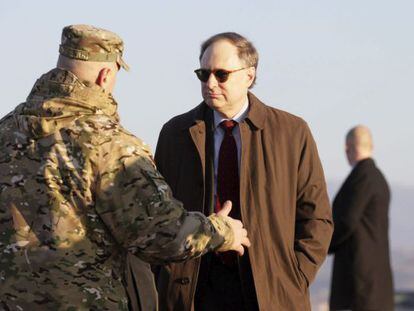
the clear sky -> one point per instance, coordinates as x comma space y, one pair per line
334, 63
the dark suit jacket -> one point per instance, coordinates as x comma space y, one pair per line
283, 202
361, 278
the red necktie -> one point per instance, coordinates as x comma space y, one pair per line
228, 170
228, 183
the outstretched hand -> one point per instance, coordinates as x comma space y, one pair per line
240, 234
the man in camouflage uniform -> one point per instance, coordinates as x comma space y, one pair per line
78, 193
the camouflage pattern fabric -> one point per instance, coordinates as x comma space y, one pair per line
89, 43
77, 191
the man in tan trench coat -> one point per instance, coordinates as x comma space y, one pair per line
277, 186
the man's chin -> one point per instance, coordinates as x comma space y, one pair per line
214, 103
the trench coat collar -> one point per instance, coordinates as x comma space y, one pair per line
257, 112
256, 115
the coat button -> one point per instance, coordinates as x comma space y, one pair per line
183, 281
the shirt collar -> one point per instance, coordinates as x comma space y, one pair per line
239, 117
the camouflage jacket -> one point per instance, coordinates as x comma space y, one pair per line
77, 191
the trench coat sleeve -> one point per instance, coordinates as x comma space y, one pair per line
313, 228
161, 150
348, 208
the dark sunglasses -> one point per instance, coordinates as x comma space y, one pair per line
221, 74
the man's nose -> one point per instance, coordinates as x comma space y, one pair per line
212, 81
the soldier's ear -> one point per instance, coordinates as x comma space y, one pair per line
103, 77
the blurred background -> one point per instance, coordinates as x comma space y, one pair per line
334, 63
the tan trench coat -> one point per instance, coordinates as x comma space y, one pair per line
284, 203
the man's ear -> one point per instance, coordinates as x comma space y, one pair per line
251, 74
103, 77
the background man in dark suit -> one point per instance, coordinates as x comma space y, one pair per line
361, 278
234, 147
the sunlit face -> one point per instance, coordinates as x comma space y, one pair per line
227, 97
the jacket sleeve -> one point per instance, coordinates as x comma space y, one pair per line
137, 206
349, 208
313, 227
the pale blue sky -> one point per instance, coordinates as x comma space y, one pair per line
334, 63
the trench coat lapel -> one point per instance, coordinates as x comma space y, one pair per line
202, 135
198, 135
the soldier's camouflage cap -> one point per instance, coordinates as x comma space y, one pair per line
88, 43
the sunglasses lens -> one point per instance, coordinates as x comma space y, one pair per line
203, 74
222, 75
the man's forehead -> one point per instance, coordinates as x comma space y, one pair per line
219, 54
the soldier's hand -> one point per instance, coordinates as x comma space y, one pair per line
240, 234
